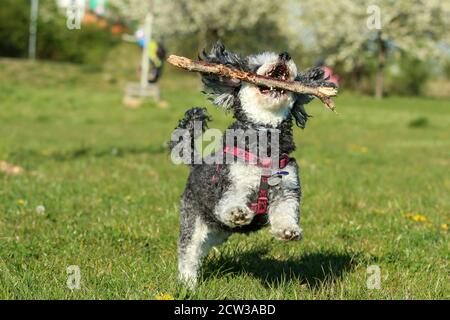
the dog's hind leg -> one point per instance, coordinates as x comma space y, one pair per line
196, 239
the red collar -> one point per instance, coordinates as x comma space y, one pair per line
263, 162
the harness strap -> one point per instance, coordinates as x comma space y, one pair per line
262, 202
263, 162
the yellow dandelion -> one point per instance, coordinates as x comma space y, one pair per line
358, 149
379, 211
21, 202
444, 226
164, 296
419, 218
46, 152
363, 149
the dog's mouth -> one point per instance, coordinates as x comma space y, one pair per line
280, 72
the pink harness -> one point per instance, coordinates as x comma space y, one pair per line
261, 204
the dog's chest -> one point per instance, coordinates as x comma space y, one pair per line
245, 178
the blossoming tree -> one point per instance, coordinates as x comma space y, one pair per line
345, 30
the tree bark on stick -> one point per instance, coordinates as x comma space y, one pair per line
323, 93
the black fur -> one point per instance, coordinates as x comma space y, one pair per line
208, 183
223, 91
200, 191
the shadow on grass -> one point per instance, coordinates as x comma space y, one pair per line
67, 155
311, 268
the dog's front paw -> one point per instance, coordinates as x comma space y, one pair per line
289, 233
239, 216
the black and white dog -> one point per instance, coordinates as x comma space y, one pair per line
242, 196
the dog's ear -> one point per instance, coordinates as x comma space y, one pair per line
220, 90
313, 77
299, 113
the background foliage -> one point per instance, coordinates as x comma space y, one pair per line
415, 36
88, 45
375, 183
96, 187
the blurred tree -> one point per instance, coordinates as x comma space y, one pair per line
265, 35
14, 27
344, 30
210, 20
54, 41
408, 75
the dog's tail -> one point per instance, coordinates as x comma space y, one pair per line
191, 127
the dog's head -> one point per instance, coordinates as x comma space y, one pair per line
261, 105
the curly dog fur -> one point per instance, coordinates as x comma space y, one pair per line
212, 209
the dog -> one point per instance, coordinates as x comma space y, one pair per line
220, 199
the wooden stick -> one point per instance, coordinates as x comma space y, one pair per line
323, 93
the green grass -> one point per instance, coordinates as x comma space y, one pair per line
111, 196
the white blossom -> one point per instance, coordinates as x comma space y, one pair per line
339, 28
196, 16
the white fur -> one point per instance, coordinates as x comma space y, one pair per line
244, 178
284, 212
232, 208
264, 108
203, 239
267, 60
283, 216
261, 58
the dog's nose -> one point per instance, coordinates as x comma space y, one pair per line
284, 56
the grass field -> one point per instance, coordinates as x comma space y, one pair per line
376, 192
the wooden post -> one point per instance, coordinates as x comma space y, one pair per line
33, 29
138, 91
145, 65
